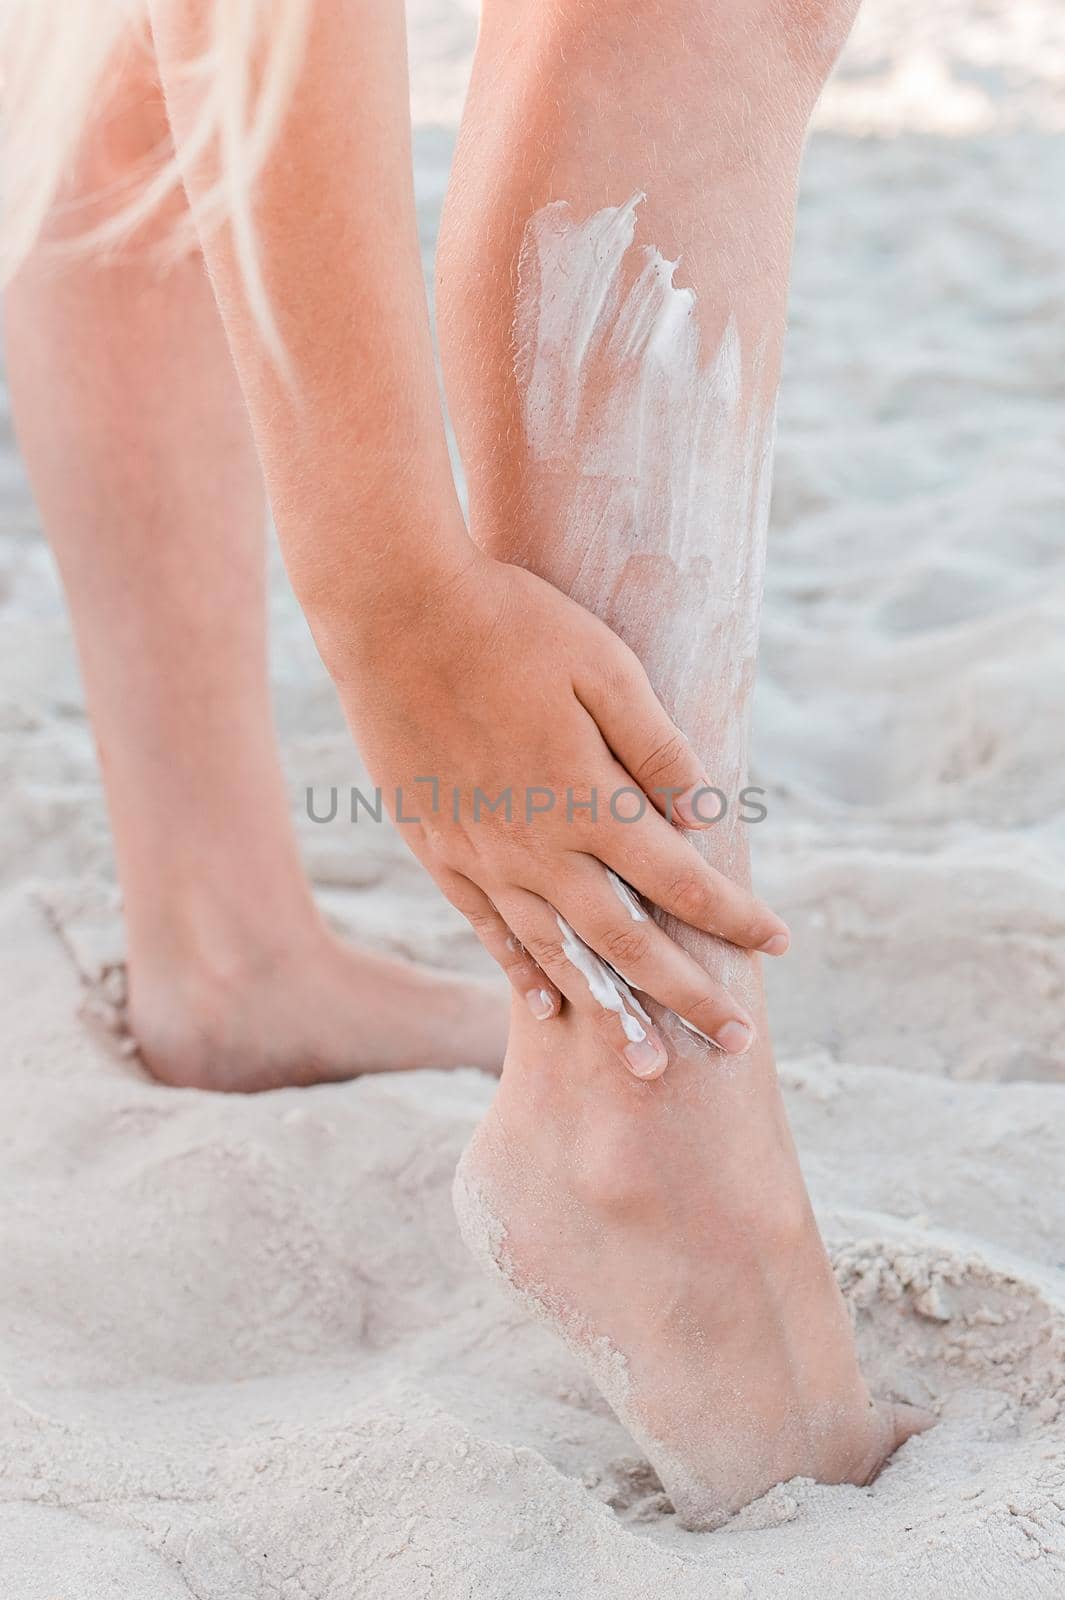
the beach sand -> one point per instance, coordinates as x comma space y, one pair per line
244, 1354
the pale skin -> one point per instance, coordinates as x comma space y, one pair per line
135, 433
671, 1218
669, 1214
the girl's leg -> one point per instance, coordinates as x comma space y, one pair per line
135, 436
612, 283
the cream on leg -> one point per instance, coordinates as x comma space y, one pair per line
612, 281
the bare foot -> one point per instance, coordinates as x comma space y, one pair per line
313, 1010
682, 1266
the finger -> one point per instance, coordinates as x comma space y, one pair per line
531, 982
648, 743
662, 865
652, 962
588, 984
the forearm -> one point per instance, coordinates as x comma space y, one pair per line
351, 438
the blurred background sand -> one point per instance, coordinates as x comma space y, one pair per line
243, 1353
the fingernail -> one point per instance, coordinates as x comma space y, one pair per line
734, 1038
645, 1057
776, 946
684, 806
540, 1003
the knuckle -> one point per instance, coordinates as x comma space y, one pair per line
689, 898
625, 948
546, 952
663, 760
485, 927
479, 916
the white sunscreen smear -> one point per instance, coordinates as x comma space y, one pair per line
612, 992
650, 447
627, 898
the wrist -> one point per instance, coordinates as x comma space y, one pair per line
406, 584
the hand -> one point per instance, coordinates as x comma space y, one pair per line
497, 685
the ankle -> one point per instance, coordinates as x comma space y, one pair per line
652, 1155
218, 933
200, 965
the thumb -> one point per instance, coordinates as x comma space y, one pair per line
650, 746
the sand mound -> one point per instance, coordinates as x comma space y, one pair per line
246, 1353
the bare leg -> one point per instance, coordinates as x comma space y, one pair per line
615, 416
135, 435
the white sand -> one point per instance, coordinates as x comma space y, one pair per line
244, 1356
